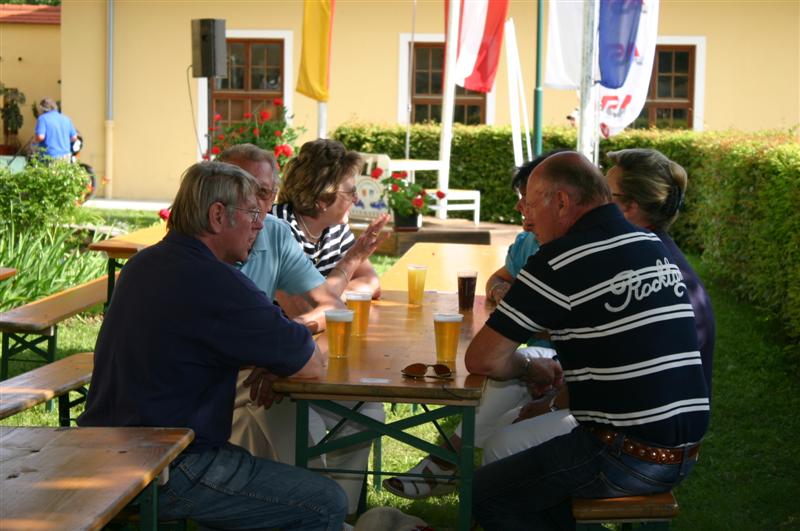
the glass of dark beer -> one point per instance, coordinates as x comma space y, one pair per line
466, 289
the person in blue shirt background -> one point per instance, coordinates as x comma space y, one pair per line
54, 131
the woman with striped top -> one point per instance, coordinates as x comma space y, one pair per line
315, 198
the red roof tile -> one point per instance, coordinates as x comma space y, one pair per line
29, 14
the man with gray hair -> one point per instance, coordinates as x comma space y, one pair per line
54, 131
616, 308
181, 323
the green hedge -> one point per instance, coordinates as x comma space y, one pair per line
742, 209
42, 195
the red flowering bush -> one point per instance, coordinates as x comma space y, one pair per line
404, 197
260, 128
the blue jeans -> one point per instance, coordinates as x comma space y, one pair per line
533, 489
227, 488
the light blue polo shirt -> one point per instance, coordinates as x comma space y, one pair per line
276, 262
523, 247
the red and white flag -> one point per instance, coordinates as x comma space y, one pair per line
480, 38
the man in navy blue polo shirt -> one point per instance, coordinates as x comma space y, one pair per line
181, 323
616, 308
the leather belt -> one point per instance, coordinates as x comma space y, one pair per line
654, 454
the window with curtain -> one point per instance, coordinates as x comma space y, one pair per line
426, 94
255, 78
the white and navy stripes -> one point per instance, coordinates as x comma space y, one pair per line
616, 308
333, 242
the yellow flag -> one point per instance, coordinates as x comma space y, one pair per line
315, 57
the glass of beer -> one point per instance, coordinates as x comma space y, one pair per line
416, 283
359, 302
447, 327
338, 325
466, 289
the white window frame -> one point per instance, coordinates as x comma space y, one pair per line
288, 80
699, 43
403, 96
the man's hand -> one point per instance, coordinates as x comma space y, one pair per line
498, 291
260, 383
543, 375
369, 240
534, 408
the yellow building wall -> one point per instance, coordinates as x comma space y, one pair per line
29, 60
751, 83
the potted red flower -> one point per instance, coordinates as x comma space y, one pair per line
407, 200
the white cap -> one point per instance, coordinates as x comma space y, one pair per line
345, 316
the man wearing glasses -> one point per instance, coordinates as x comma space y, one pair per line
181, 323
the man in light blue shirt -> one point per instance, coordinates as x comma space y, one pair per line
54, 131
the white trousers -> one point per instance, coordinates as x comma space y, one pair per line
270, 433
500, 406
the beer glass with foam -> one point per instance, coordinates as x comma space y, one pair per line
359, 302
338, 325
447, 327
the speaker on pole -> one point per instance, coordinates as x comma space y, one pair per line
209, 53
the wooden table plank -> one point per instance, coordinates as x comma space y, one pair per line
7, 272
45, 383
398, 335
127, 245
78, 478
444, 260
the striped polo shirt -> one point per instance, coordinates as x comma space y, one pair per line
616, 307
332, 245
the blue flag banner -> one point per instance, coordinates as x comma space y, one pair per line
619, 23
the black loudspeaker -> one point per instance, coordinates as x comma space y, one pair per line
209, 53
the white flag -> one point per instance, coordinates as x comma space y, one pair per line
620, 107
564, 44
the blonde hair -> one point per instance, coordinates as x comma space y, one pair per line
657, 184
202, 185
314, 175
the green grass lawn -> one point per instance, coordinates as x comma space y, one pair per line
747, 475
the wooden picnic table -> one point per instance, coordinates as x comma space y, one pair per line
398, 335
7, 272
125, 246
80, 478
444, 261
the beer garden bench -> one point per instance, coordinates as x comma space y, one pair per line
34, 326
651, 512
54, 380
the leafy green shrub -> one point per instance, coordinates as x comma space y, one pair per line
47, 260
42, 194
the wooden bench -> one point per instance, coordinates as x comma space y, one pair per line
53, 380
26, 328
651, 512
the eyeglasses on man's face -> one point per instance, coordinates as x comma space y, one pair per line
267, 194
255, 213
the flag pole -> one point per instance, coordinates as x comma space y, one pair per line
587, 129
448, 103
537, 92
322, 119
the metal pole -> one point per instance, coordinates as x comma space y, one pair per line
586, 126
537, 92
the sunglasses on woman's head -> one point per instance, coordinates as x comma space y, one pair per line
420, 370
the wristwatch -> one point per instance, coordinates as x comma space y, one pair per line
526, 368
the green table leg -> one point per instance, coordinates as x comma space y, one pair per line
301, 435
467, 468
148, 508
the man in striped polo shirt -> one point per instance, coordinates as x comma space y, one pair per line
616, 308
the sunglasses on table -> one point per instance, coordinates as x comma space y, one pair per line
420, 370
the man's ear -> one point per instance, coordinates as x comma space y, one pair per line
563, 202
216, 217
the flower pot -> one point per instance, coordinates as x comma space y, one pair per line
407, 223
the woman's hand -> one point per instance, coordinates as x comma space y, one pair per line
369, 240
